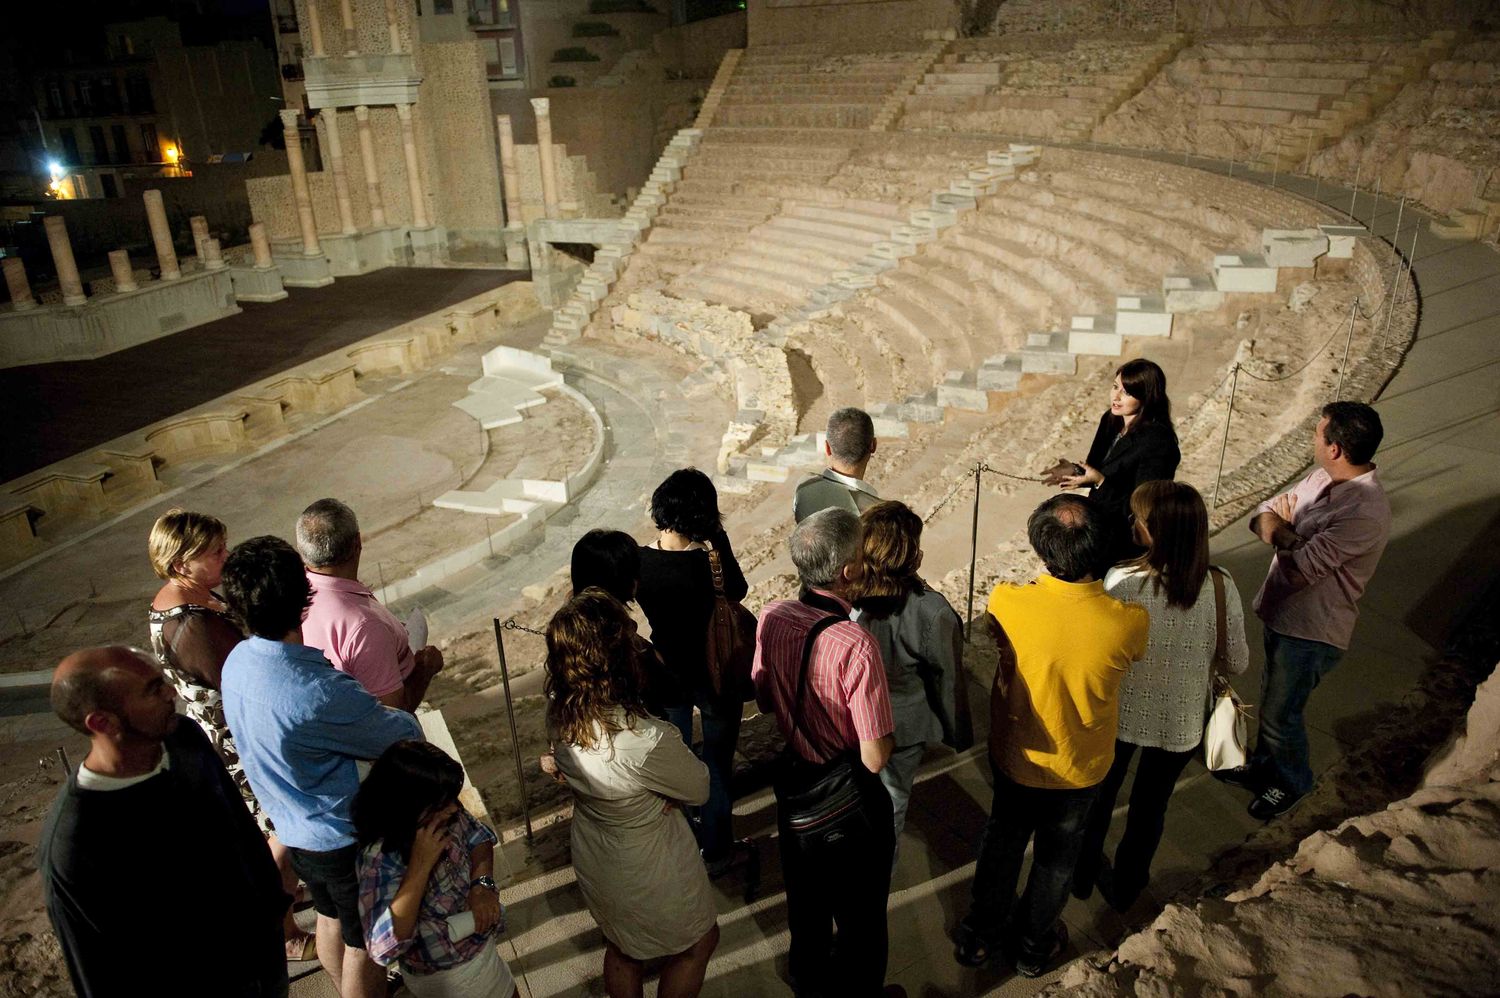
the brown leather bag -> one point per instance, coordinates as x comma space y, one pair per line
730, 649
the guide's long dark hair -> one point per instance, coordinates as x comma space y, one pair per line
409, 783
1145, 382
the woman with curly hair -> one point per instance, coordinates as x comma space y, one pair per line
921, 643
634, 856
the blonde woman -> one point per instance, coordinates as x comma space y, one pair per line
191, 635
921, 643
634, 856
1162, 697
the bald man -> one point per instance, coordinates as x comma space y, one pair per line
152, 869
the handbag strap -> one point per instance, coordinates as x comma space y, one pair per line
814, 600
716, 570
1221, 649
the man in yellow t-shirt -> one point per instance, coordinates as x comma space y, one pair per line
1064, 647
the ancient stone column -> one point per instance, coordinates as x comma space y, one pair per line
300, 193
334, 143
124, 274
392, 25
62, 260
367, 156
314, 30
260, 246
413, 177
199, 225
346, 11
15, 280
213, 256
161, 235
510, 176
543, 108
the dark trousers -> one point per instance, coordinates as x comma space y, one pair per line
1294, 668
1155, 778
712, 823
845, 884
1056, 818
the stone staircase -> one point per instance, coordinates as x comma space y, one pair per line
808, 86
896, 102
716, 89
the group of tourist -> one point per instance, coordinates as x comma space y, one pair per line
304, 770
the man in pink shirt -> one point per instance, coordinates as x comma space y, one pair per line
1327, 533
346, 623
822, 678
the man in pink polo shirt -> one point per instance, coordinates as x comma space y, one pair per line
347, 623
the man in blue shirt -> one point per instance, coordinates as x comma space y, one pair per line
300, 725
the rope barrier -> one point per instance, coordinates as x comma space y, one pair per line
1244, 369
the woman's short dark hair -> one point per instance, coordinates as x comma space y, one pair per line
686, 502
608, 560
1145, 382
266, 586
1071, 536
410, 782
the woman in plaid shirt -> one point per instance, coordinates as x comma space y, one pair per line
427, 896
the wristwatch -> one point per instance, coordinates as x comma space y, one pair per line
484, 881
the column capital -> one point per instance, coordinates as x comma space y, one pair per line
361, 112
403, 111
289, 119
541, 105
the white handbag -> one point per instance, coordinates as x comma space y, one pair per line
1225, 735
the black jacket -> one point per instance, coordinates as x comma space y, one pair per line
1145, 454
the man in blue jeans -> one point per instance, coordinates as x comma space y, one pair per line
1327, 533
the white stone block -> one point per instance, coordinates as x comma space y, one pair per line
1244, 273
934, 218
762, 471
914, 234
892, 250
961, 391
1292, 247
1144, 322
1048, 353
1100, 344
1000, 159
1001, 373
1127, 302
1023, 154
1341, 239
971, 188
1190, 294
946, 200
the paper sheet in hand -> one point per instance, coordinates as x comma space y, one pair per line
416, 630
460, 926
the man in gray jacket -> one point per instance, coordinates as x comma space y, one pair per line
849, 444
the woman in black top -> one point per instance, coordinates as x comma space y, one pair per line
677, 594
1135, 443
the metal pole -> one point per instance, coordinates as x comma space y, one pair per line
1318, 187
1354, 195
515, 739
1395, 255
1234, 383
973, 552
62, 757
1338, 392
380, 569
1411, 261
1375, 208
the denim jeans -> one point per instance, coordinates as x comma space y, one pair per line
1056, 818
712, 823
1155, 779
1294, 667
898, 775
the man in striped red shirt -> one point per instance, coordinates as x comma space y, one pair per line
845, 710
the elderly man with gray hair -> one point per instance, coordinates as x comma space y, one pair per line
346, 623
821, 676
849, 443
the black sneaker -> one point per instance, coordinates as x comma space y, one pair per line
1028, 965
1245, 777
1273, 802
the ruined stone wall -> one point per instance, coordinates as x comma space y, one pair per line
788, 22
457, 140
1099, 16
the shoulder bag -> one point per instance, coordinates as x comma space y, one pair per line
730, 650
820, 803
1225, 735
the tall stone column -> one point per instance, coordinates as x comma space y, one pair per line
346, 12
62, 260
510, 176
367, 156
119, 266
334, 143
300, 193
392, 26
161, 236
15, 281
315, 30
260, 246
199, 225
413, 177
543, 108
